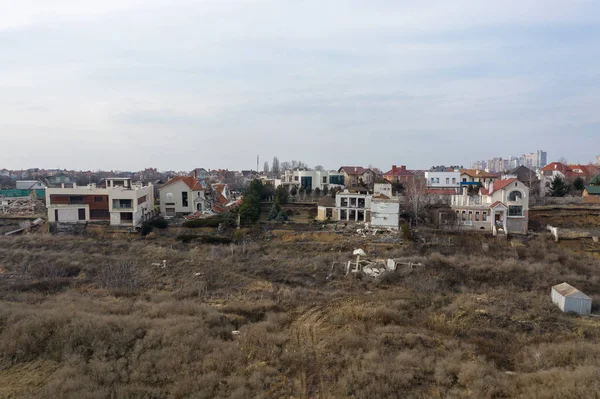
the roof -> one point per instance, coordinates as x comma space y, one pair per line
353, 170
567, 290
497, 203
381, 196
595, 181
561, 167
401, 171
477, 173
593, 190
192, 183
500, 184
327, 201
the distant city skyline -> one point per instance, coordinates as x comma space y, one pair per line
124, 84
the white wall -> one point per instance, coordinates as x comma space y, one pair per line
443, 179
385, 214
176, 189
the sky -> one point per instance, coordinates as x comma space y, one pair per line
178, 84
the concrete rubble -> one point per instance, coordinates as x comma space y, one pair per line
371, 268
21, 206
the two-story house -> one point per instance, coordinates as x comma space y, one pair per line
501, 206
399, 175
357, 176
182, 195
120, 203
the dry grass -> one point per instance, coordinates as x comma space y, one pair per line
452, 328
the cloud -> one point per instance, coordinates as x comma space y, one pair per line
331, 83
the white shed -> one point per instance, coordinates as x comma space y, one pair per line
570, 299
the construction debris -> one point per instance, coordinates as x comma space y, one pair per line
21, 206
372, 268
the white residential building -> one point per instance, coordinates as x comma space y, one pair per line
120, 203
182, 195
502, 206
312, 178
447, 179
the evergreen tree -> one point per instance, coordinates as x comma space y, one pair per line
281, 195
558, 187
579, 184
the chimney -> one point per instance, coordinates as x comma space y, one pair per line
195, 174
491, 189
403, 167
355, 168
394, 168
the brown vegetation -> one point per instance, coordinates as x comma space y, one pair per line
89, 318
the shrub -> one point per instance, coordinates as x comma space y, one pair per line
119, 278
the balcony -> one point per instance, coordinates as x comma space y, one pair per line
122, 204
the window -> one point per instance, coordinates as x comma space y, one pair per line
344, 202
76, 200
464, 179
126, 216
514, 210
484, 216
184, 199
470, 216
343, 215
99, 214
99, 199
295, 178
447, 180
454, 180
336, 179
477, 216
329, 213
464, 216
170, 197
324, 179
515, 195
122, 204
81, 214
352, 201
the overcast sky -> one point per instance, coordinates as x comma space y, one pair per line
178, 84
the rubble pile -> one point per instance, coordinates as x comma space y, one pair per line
21, 206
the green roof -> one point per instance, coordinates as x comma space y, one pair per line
595, 181
593, 190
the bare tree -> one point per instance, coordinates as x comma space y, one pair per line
417, 199
319, 168
266, 167
286, 166
275, 166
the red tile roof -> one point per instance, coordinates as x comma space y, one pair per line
399, 171
495, 204
192, 183
500, 184
561, 167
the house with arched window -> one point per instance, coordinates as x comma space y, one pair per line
502, 206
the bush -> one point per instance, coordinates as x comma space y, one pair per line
149, 225
226, 219
205, 239
119, 277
